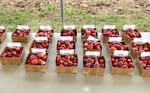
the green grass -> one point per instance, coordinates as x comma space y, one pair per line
78, 17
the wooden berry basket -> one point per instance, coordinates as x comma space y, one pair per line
34, 42
122, 71
2, 38
21, 39
35, 68
105, 39
49, 39
94, 71
143, 72
70, 69
12, 60
128, 39
112, 52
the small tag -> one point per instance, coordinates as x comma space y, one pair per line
109, 27
126, 27
42, 27
88, 26
91, 38
140, 40
14, 45
2, 27
41, 39
23, 27
121, 53
66, 52
70, 38
37, 50
115, 39
144, 54
92, 53
66, 27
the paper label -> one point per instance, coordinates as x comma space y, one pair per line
14, 45
109, 27
115, 39
42, 27
66, 27
144, 54
121, 53
70, 38
37, 50
2, 27
65, 52
126, 27
91, 38
140, 40
41, 39
23, 27
88, 26
92, 53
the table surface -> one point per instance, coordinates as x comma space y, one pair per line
14, 79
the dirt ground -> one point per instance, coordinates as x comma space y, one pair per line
90, 6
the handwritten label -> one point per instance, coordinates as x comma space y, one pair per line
66, 27
23, 27
140, 40
41, 39
115, 39
91, 38
88, 26
65, 52
37, 50
126, 27
121, 53
144, 54
92, 53
2, 27
109, 27
42, 27
70, 38
14, 44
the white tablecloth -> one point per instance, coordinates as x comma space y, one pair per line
14, 79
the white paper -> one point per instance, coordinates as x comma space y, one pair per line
91, 38
140, 40
92, 53
2, 27
109, 27
70, 38
65, 52
40, 39
14, 44
43, 27
144, 54
88, 26
66, 27
23, 27
126, 27
115, 39
37, 50
121, 53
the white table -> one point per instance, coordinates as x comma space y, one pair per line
14, 79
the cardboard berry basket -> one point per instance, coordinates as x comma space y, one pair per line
30, 67
69, 30
12, 60
66, 68
24, 39
85, 45
3, 36
63, 49
122, 70
99, 71
111, 49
